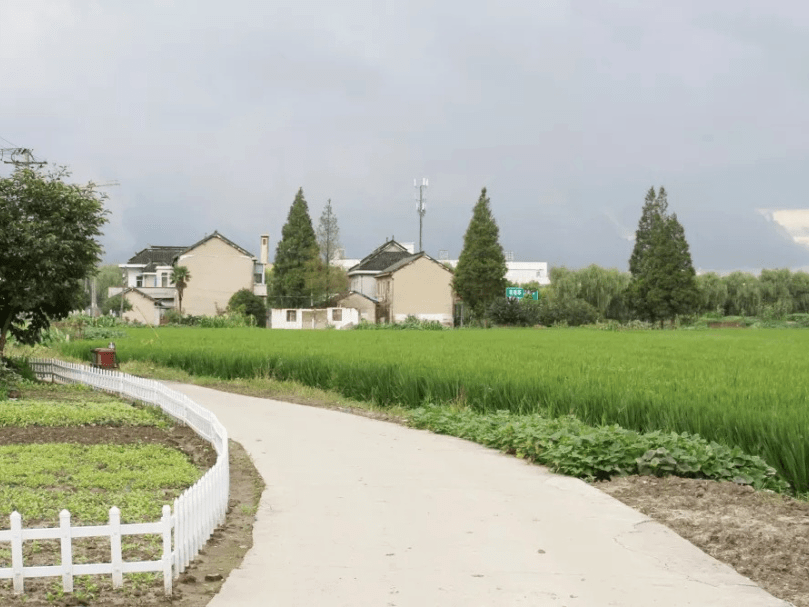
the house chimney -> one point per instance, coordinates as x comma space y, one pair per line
265, 248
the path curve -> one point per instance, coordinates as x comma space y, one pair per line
359, 512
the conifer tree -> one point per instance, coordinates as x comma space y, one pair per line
296, 258
663, 282
481, 271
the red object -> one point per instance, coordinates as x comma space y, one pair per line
105, 358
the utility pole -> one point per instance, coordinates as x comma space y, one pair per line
420, 206
15, 153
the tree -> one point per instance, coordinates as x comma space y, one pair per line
744, 294
328, 234
296, 258
114, 304
48, 246
663, 282
248, 303
334, 279
654, 206
480, 276
180, 276
109, 275
713, 293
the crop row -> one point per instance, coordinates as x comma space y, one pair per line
739, 388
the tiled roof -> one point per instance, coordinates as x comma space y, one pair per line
160, 256
403, 262
381, 261
223, 239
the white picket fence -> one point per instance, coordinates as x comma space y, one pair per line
196, 513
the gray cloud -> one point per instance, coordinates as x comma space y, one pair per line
212, 115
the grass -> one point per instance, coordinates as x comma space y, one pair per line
738, 388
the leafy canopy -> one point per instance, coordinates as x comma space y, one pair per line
48, 245
248, 303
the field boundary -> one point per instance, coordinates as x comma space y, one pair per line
185, 528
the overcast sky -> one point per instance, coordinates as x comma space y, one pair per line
212, 114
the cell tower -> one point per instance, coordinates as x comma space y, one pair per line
420, 206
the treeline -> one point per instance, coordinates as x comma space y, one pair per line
594, 293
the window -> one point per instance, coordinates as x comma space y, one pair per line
337, 314
164, 280
292, 315
139, 281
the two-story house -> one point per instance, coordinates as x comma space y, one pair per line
218, 268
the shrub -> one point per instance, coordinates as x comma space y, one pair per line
247, 303
556, 310
514, 312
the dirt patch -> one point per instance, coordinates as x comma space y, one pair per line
204, 576
763, 536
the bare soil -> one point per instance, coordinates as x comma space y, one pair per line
201, 580
762, 535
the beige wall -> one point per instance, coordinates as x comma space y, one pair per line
365, 307
421, 288
217, 272
143, 309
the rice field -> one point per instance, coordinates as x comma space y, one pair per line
740, 388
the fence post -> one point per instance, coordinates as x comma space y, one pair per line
167, 575
178, 545
67, 551
115, 548
16, 552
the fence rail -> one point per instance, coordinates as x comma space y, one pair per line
185, 528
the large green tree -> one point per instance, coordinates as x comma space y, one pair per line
48, 246
663, 283
296, 258
480, 276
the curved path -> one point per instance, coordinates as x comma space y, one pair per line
359, 513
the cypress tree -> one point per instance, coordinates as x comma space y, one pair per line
296, 258
663, 282
480, 276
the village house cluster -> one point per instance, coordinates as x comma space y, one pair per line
388, 285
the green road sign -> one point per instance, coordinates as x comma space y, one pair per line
515, 292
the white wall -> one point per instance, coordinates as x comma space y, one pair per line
278, 318
520, 272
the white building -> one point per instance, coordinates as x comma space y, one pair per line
520, 272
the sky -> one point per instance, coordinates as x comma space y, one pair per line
211, 115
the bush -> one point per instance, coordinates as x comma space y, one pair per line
514, 312
556, 310
248, 303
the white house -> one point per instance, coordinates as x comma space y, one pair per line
320, 318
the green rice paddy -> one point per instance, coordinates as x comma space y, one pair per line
745, 388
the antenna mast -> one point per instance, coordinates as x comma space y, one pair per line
420, 206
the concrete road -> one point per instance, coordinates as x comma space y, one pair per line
359, 512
